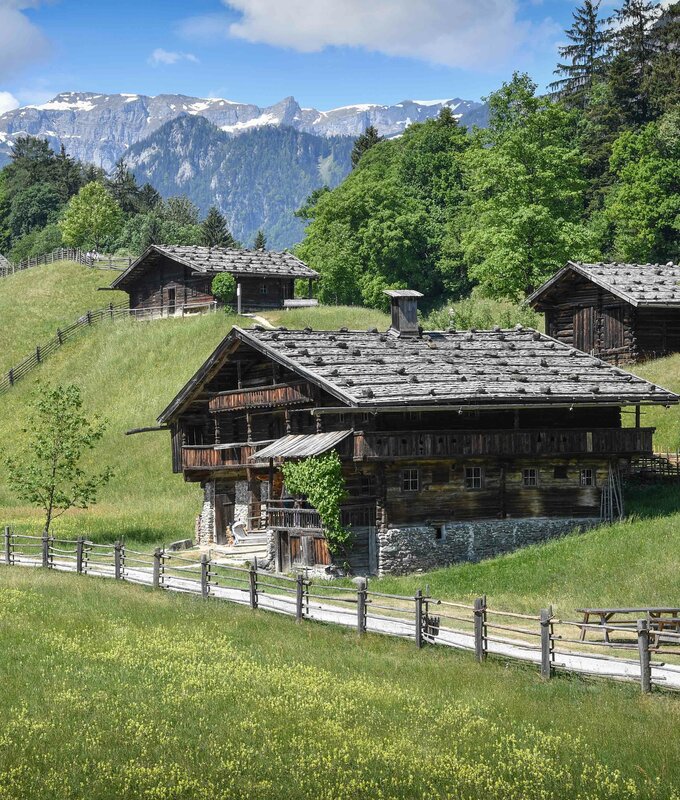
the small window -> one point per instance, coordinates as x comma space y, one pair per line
264, 289
410, 480
439, 532
560, 473
530, 477
474, 477
587, 477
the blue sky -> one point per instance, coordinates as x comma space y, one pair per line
326, 53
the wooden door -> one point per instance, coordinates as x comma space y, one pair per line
612, 328
224, 516
584, 329
172, 301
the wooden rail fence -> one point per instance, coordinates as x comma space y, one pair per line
542, 639
118, 263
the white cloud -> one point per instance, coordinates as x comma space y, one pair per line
160, 56
8, 102
21, 41
454, 33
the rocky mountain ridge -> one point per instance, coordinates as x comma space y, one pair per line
99, 128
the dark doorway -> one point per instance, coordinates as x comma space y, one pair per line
172, 302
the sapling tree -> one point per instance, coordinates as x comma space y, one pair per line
47, 472
223, 287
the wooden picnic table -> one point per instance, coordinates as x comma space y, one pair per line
660, 618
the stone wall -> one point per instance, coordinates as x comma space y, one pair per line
241, 502
417, 548
205, 524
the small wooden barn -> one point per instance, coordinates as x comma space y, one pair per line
622, 313
170, 279
455, 445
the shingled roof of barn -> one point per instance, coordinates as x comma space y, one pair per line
637, 284
222, 259
502, 367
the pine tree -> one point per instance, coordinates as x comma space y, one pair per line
662, 83
215, 231
634, 36
585, 56
124, 189
364, 142
260, 240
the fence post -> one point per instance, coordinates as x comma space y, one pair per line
205, 576
89, 318
419, 618
156, 580
361, 605
252, 575
37, 354
299, 593
645, 655
8, 546
45, 550
118, 560
547, 643
480, 627
79, 554
11, 377
111, 309
59, 339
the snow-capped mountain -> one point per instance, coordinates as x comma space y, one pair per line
99, 128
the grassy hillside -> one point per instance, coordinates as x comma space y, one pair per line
34, 303
665, 372
119, 691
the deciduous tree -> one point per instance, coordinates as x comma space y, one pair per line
91, 218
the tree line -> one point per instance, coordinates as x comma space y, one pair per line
589, 171
49, 200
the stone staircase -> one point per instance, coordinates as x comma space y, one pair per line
255, 546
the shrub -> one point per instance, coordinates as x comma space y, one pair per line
224, 287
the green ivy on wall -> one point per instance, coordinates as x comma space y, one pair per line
320, 480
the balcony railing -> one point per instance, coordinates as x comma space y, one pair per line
288, 394
436, 444
281, 517
209, 457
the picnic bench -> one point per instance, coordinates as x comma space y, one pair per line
659, 619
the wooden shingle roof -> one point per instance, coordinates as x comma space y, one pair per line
515, 367
208, 260
645, 285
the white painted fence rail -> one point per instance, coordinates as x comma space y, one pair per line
535, 639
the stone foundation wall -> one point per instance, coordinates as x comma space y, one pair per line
241, 498
205, 524
416, 548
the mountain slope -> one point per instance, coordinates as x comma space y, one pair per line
98, 128
258, 179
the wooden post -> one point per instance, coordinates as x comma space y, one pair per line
89, 318
111, 309
238, 297
205, 576
480, 627
637, 416
11, 377
118, 560
59, 339
299, 593
45, 550
79, 555
419, 618
361, 605
252, 575
546, 642
156, 580
645, 656
8, 546
37, 354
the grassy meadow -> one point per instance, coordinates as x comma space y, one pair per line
37, 301
120, 691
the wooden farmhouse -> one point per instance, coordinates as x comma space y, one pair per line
622, 313
169, 280
455, 445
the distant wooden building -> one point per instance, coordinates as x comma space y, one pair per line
455, 445
168, 280
622, 313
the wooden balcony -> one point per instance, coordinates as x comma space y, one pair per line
276, 396
202, 457
514, 443
280, 517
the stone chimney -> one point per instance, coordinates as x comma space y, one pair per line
404, 304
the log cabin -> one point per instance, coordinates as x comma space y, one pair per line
169, 280
622, 313
455, 445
